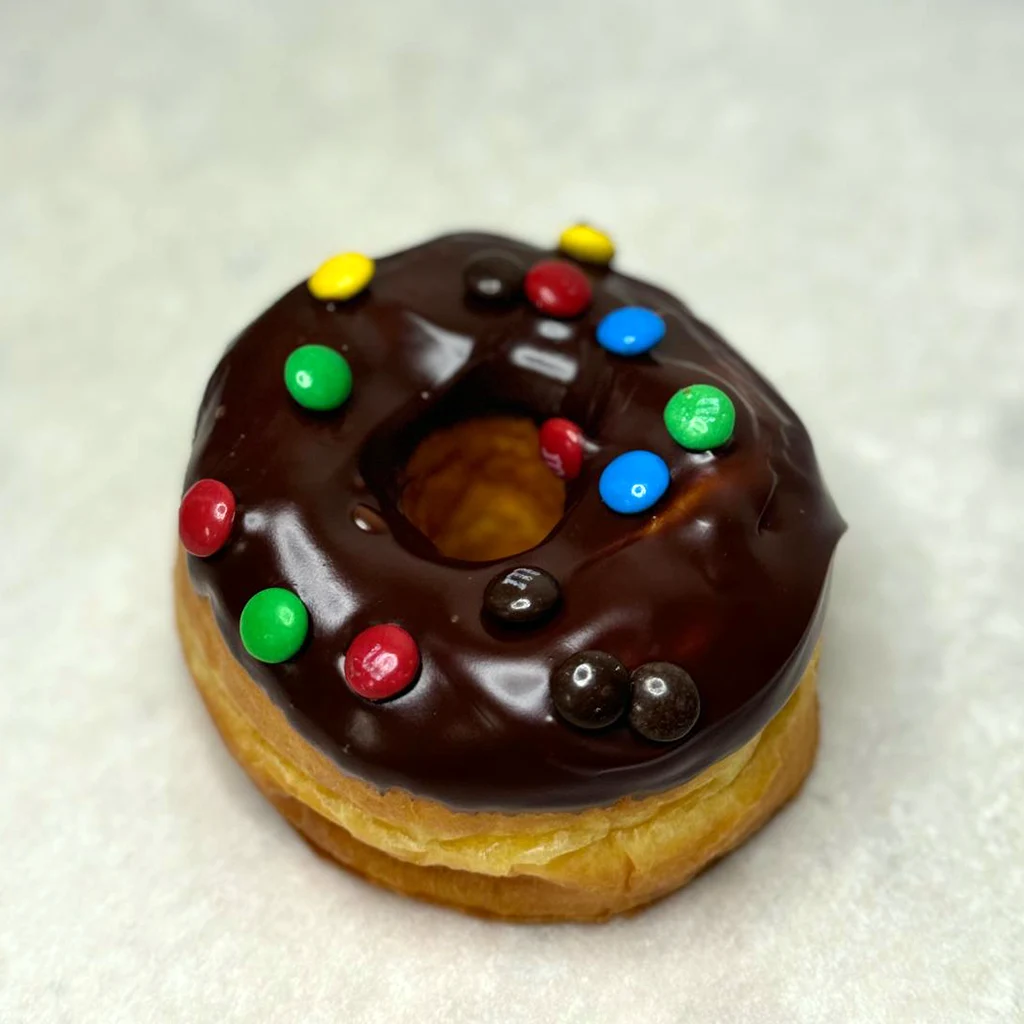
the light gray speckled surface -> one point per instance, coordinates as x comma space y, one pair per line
837, 186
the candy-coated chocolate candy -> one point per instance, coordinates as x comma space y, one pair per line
317, 377
205, 517
633, 482
631, 330
557, 288
493, 277
341, 277
700, 417
590, 689
665, 704
586, 244
522, 595
273, 625
381, 661
561, 447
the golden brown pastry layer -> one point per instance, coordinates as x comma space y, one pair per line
584, 865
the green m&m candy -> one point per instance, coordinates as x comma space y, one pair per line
317, 377
274, 624
700, 417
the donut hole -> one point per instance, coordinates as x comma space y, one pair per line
479, 490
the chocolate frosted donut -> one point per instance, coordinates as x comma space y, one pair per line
375, 433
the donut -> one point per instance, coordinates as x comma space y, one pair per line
503, 576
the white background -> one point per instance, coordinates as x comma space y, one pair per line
836, 185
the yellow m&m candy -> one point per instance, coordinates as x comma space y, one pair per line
587, 244
341, 277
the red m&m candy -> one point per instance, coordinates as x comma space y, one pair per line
381, 661
561, 447
557, 288
205, 517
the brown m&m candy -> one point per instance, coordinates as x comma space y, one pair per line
590, 689
665, 703
522, 596
494, 277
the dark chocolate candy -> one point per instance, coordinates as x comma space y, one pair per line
590, 689
524, 594
665, 704
493, 277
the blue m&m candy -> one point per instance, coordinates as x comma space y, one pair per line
633, 482
631, 330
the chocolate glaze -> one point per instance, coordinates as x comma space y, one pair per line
726, 576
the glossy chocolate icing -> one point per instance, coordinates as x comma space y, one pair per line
725, 576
